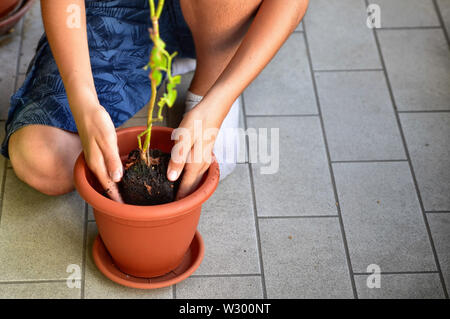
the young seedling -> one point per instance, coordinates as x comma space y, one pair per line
160, 61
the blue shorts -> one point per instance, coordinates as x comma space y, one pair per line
119, 48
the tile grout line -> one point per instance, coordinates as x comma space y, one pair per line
397, 273
43, 281
369, 161
281, 115
83, 258
441, 21
424, 111
330, 166
225, 275
347, 70
410, 28
402, 135
5, 165
298, 217
437, 212
255, 211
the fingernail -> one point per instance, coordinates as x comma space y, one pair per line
173, 175
116, 176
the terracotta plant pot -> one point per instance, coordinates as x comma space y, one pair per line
10, 18
6, 6
145, 241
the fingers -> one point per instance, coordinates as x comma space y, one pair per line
111, 157
192, 176
179, 153
193, 172
97, 164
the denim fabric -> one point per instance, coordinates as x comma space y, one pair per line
119, 48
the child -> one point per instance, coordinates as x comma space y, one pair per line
87, 79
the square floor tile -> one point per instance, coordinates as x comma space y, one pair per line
9, 52
302, 184
417, 63
91, 216
359, 118
304, 258
440, 231
382, 218
241, 287
339, 37
2, 159
38, 290
285, 85
96, 285
428, 138
401, 286
242, 153
407, 13
33, 29
444, 8
39, 235
227, 225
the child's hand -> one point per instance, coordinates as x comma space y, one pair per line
99, 140
198, 149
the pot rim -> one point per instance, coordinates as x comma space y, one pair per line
144, 213
19, 13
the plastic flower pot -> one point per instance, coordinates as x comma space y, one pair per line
6, 6
12, 14
145, 241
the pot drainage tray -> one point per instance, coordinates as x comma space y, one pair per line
188, 265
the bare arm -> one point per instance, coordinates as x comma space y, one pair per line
274, 22
70, 49
69, 45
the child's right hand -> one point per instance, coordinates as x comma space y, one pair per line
99, 141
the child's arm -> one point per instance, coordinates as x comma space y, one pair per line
273, 23
68, 42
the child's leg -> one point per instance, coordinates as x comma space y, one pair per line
215, 45
44, 156
218, 28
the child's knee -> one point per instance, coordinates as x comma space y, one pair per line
37, 164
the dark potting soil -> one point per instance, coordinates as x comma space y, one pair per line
144, 184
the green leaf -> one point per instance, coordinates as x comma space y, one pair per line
158, 60
156, 75
159, 43
176, 79
172, 83
162, 102
171, 96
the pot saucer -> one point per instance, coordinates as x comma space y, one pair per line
189, 264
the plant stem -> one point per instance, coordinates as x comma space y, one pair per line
154, 18
150, 118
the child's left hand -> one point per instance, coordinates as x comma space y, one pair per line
194, 143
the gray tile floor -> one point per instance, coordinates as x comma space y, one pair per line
364, 173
